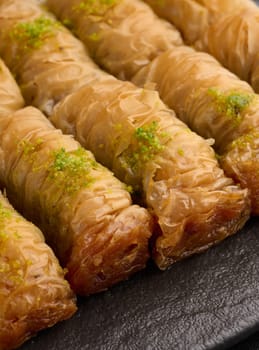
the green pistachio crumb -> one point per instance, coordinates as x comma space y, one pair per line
5, 213
147, 142
28, 148
180, 151
32, 33
71, 170
94, 36
245, 140
129, 189
231, 104
95, 7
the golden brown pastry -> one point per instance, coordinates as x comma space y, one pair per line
133, 133
24, 28
211, 100
103, 24
33, 292
83, 210
192, 17
10, 95
215, 103
227, 29
234, 41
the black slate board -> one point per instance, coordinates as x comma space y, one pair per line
210, 301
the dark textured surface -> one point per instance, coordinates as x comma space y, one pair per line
210, 301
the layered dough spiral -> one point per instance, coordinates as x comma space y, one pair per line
33, 292
10, 96
85, 213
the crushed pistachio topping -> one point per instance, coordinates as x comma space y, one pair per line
231, 104
28, 148
71, 170
147, 142
12, 271
180, 151
95, 36
95, 7
5, 213
33, 33
245, 140
129, 189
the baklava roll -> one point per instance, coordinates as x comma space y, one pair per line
10, 95
192, 17
33, 292
26, 28
85, 213
101, 25
214, 103
234, 40
227, 29
133, 133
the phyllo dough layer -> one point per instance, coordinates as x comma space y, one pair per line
214, 103
24, 29
33, 292
83, 210
102, 25
10, 95
192, 17
227, 29
132, 132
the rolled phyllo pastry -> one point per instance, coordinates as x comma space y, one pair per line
229, 30
25, 26
85, 213
133, 133
234, 40
103, 24
33, 292
10, 95
192, 17
214, 103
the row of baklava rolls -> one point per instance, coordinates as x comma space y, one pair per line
227, 29
207, 97
128, 129
86, 214
33, 291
